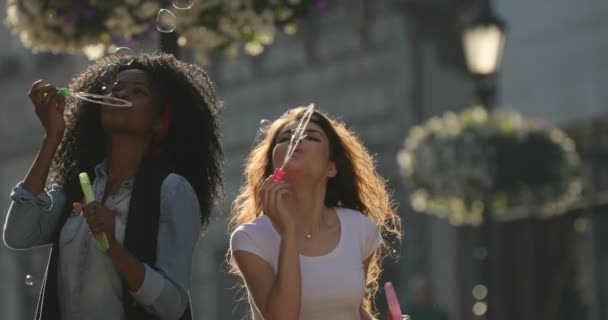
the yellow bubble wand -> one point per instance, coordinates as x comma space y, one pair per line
89, 196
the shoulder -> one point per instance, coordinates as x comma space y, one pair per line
177, 188
175, 183
257, 229
356, 218
258, 237
365, 231
178, 196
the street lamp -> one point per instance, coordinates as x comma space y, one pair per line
483, 40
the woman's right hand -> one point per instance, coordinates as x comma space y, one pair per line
49, 106
275, 204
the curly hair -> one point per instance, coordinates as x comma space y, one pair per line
356, 186
191, 148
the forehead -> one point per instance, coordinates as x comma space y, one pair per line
134, 75
292, 125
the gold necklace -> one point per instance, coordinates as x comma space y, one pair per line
309, 235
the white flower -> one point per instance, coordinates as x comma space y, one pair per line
254, 48
95, 51
12, 15
233, 4
147, 10
239, 25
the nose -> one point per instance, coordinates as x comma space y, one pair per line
299, 146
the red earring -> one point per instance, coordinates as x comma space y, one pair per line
160, 137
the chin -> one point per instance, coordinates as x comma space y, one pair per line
109, 123
116, 126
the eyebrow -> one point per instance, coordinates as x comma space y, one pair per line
290, 131
144, 84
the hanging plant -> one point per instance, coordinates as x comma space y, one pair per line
78, 27
227, 27
459, 164
92, 27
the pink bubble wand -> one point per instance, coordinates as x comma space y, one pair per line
298, 135
394, 309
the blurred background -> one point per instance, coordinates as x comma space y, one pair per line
384, 67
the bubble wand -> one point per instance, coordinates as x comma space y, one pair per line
94, 98
85, 184
107, 79
298, 134
394, 309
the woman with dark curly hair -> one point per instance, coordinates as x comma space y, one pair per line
156, 174
309, 247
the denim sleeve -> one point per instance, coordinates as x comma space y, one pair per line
32, 219
165, 288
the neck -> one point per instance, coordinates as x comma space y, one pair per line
309, 205
124, 154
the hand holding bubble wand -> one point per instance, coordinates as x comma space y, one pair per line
89, 196
298, 135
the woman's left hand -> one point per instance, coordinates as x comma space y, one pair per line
100, 219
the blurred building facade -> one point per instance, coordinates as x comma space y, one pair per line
382, 66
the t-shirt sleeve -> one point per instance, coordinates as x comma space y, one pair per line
244, 240
370, 236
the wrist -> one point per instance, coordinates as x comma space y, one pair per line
289, 237
289, 231
113, 244
53, 140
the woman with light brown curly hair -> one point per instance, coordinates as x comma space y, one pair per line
310, 246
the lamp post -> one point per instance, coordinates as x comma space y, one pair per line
483, 40
168, 44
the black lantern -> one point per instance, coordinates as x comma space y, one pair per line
483, 40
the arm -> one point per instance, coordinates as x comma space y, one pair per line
365, 315
275, 296
129, 267
35, 180
165, 286
31, 220
33, 215
161, 289
48, 105
370, 241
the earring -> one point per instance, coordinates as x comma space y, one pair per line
332, 172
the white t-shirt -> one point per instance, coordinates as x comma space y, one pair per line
333, 285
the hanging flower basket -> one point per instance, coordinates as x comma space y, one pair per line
229, 27
459, 164
78, 27
92, 27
